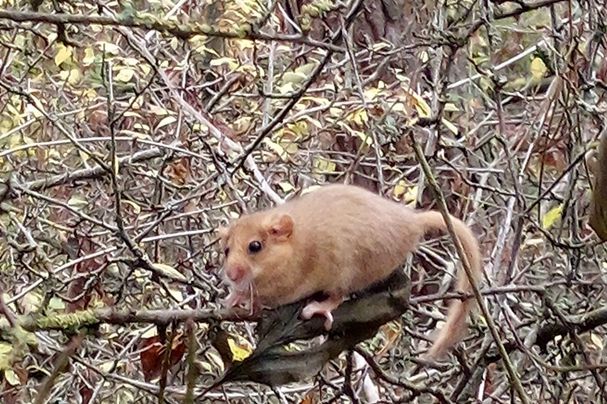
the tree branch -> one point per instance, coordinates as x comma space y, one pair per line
179, 30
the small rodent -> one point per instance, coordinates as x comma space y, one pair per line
337, 239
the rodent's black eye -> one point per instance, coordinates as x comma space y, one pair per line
254, 247
226, 251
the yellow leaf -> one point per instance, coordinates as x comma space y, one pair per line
307, 68
145, 69
321, 164
24, 337
6, 351
105, 366
89, 93
422, 107
89, 56
169, 271
11, 377
77, 202
538, 69
358, 116
293, 347
63, 54
131, 61
33, 111
231, 62
286, 88
275, 147
335, 112
596, 340
149, 333
400, 188
110, 48
176, 294
399, 107
367, 139
286, 186
411, 195
381, 45
71, 76
450, 126
551, 217
157, 110
239, 351
166, 121
299, 128
371, 93
31, 302
244, 44
132, 114
136, 207
124, 75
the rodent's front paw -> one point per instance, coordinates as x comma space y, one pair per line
233, 299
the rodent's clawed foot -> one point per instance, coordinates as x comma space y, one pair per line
323, 308
317, 308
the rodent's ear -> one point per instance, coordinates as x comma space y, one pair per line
281, 227
222, 232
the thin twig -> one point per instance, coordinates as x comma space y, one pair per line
512, 374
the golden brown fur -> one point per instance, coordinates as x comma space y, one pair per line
337, 239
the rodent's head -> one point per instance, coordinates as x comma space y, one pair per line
256, 248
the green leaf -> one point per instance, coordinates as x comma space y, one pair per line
56, 304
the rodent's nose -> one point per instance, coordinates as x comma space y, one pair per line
236, 273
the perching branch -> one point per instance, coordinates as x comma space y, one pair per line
354, 321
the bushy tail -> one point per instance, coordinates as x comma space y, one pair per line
455, 325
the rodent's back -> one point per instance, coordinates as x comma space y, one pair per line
357, 237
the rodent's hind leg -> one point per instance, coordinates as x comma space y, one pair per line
323, 308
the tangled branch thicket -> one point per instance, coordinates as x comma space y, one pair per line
129, 134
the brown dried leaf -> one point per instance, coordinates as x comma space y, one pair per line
153, 352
